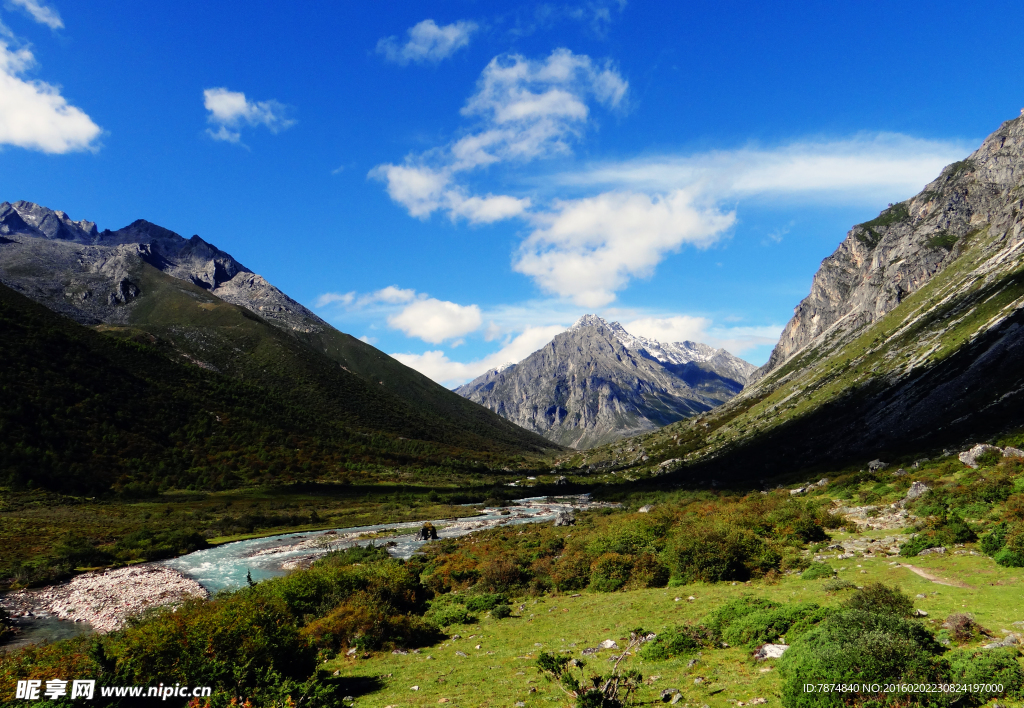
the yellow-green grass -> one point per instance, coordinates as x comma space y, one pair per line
995, 597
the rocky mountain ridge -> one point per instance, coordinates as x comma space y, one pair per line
596, 383
86, 270
911, 340
200, 306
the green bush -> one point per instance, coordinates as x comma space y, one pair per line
837, 585
767, 625
818, 570
236, 642
881, 599
994, 541
854, 646
989, 666
485, 602
571, 571
681, 641
648, 572
610, 572
446, 611
734, 610
501, 611
717, 552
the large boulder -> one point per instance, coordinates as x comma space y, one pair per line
970, 457
917, 489
565, 518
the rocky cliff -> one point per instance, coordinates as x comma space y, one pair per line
596, 383
910, 342
884, 260
73, 268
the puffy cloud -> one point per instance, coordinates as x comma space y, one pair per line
428, 42
393, 294
485, 210
587, 249
865, 168
43, 14
526, 110
531, 109
33, 114
436, 365
230, 110
421, 190
435, 320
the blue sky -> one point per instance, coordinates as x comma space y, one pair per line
458, 181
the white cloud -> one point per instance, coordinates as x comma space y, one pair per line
421, 190
437, 366
531, 109
43, 14
435, 320
393, 294
428, 42
334, 299
485, 210
866, 168
587, 249
33, 114
526, 110
230, 110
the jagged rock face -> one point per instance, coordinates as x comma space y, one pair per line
883, 261
73, 268
596, 383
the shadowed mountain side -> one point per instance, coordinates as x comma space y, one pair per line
972, 396
213, 312
85, 412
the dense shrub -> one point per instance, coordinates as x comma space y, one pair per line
571, 571
648, 572
988, 666
859, 647
232, 643
364, 624
484, 602
502, 575
447, 610
610, 572
681, 641
945, 531
733, 610
720, 552
818, 571
766, 625
881, 599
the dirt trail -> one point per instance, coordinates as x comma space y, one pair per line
936, 579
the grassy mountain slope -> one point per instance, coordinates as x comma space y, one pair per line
910, 342
211, 310
86, 412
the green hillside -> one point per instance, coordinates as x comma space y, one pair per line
86, 412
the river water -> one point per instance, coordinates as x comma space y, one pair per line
227, 566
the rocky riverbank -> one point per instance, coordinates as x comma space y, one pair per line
106, 600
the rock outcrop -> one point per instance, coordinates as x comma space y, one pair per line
89, 275
883, 261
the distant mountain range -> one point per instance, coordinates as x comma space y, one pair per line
200, 307
596, 383
911, 340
